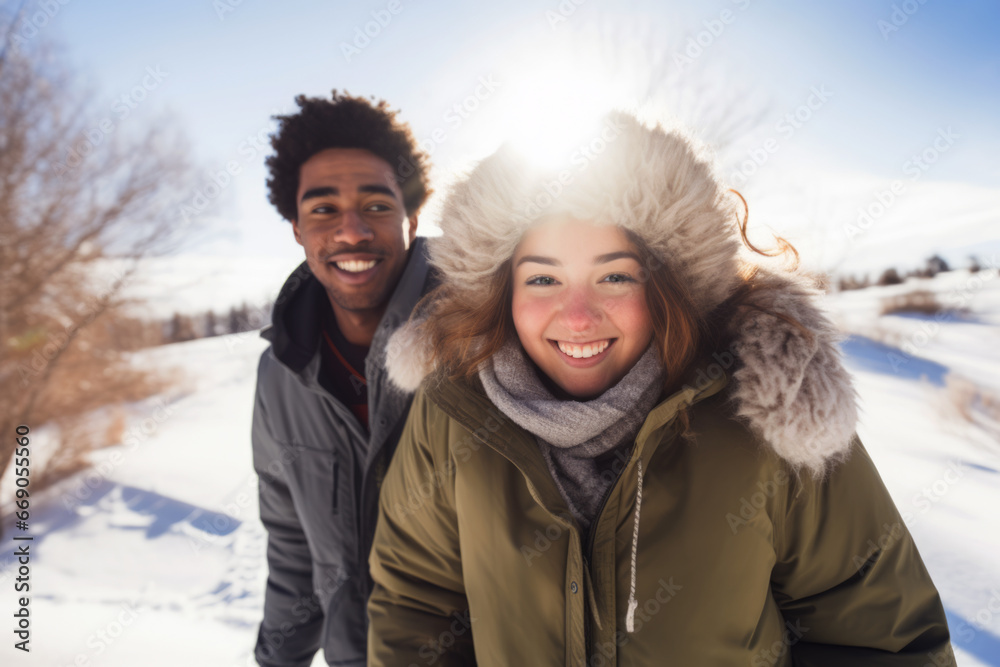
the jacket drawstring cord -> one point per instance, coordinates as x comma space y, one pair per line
632, 604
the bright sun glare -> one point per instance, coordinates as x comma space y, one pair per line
554, 101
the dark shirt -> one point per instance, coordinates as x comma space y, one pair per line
343, 370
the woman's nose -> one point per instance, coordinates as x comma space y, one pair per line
581, 311
353, 229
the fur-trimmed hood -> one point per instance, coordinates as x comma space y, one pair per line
789, 387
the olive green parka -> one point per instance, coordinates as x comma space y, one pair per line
761, 535
740, 559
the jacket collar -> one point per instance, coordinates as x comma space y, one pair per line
294, 331
465, 401
665, 412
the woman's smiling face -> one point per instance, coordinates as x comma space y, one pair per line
579, 305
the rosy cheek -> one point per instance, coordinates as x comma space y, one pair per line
629, 313
530, 314
621, 306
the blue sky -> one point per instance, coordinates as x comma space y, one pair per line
228, 71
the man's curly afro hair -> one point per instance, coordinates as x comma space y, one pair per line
343, 122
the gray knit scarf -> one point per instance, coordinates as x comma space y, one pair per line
573, 435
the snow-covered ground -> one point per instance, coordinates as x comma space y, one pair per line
156, 556
925, 381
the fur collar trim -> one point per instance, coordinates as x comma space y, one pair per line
790, 386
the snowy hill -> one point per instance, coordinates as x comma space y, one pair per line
156, 556
930, 384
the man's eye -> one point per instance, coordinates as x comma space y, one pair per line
325, 209
540, 280
379, 208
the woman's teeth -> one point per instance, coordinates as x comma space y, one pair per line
583, 351
355, 266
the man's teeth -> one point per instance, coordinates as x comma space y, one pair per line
583, 351
355, 266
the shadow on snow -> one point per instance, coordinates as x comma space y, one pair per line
876, 357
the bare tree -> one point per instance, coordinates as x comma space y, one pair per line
707, 94
84, 196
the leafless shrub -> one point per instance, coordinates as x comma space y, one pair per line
917, 301
78, 194
76, 438
977, 405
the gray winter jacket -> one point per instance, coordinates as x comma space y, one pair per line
320, 475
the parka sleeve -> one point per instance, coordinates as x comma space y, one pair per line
289, 633
418, 610
849, 580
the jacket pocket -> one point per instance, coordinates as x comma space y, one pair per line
318, 482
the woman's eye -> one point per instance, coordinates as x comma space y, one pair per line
619, 278
540, 280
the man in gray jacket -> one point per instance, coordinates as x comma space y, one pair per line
348, 176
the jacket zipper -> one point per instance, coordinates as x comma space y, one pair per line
352, 424
336, 482
589, 551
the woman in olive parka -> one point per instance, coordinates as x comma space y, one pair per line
631, 444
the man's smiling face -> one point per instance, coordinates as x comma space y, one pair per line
353, 227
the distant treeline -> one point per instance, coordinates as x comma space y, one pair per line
239, 319
180, 327
933, 266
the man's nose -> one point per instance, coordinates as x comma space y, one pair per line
353, 229
581, 311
